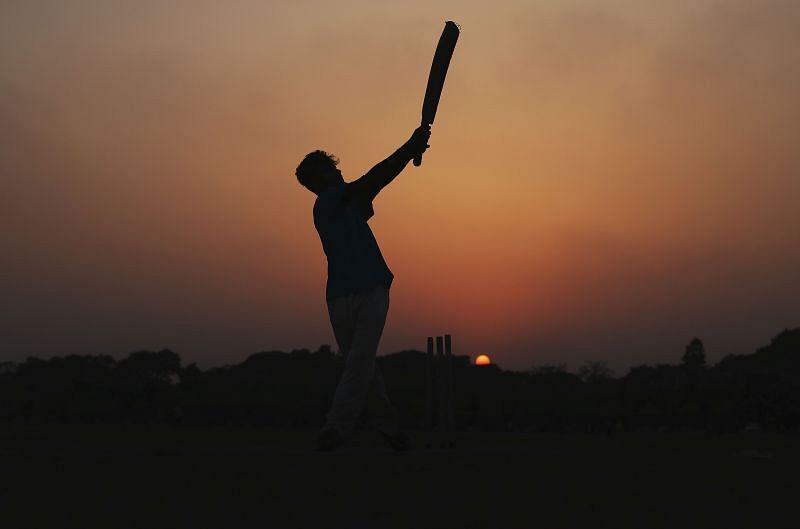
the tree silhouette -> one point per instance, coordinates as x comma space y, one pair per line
548, 369
279, 389
695, 355
324, 351
595, 371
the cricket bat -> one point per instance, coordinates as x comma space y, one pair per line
441, 61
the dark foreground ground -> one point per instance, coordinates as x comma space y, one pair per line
146, 476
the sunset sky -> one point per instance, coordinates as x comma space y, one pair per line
606, 179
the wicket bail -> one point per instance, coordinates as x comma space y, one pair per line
440, 406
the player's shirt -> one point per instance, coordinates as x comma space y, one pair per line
355, 263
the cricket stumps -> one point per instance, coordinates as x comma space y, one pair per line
440, 421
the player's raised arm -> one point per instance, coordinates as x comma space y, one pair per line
384, 172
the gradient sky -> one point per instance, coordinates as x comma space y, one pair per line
606, 179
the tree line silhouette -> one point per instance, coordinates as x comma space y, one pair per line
287, 390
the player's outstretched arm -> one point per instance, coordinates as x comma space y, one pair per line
384, 172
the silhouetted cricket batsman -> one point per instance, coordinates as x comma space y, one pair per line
357, 291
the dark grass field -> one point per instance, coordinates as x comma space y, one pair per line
163, 476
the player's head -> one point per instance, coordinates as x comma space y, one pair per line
318, 170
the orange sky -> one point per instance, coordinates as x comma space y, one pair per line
606, 180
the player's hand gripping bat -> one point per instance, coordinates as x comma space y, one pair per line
441, 60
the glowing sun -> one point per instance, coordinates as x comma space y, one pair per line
483, 360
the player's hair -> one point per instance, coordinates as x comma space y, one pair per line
308, 169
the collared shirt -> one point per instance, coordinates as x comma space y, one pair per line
355, 263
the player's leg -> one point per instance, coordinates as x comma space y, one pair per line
379, 407
342, 317
368, 312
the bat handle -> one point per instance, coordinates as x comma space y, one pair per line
418, 159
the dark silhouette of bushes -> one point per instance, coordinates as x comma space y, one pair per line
290, 390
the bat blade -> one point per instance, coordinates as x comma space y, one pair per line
439, 66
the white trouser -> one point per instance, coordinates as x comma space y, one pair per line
357, 322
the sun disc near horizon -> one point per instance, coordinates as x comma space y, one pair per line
483, 360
